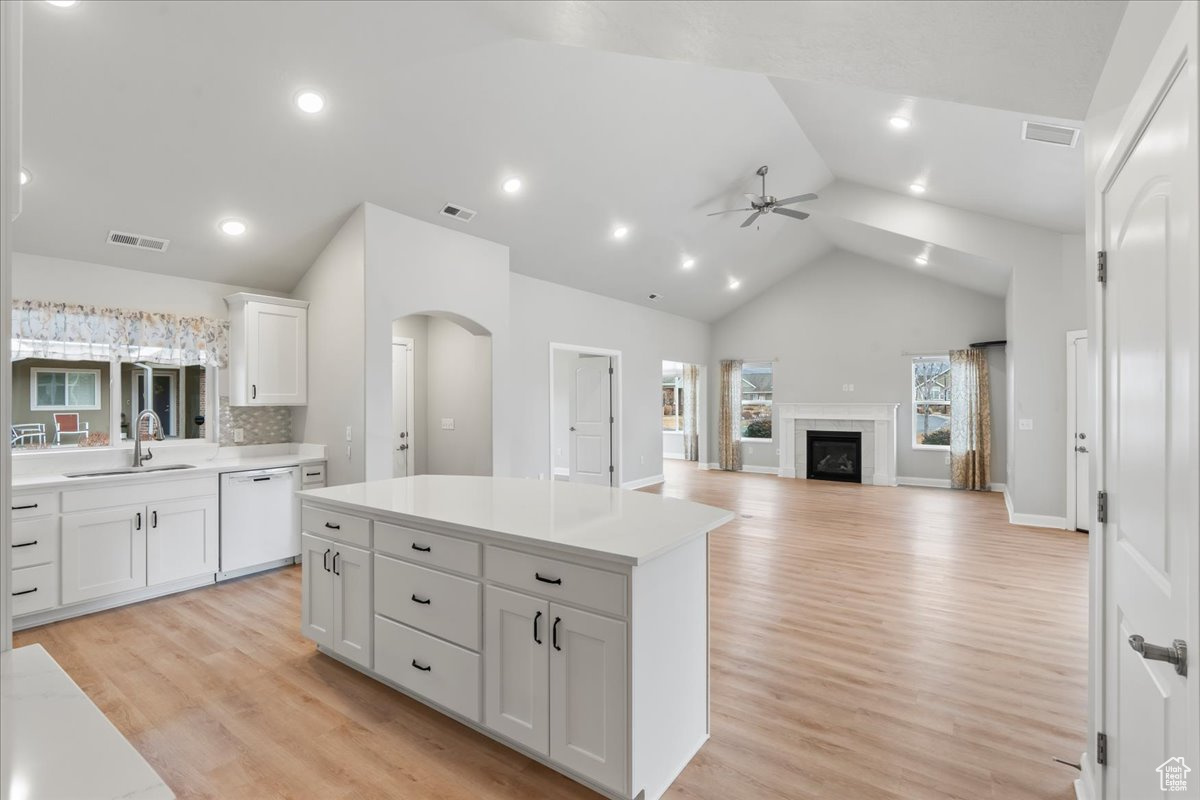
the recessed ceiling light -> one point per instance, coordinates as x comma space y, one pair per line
734, 283
233, 227
26, 177
620, 232
917, 188
688, 262
512, 185
62, 3
900, 123
310, 102
921, 261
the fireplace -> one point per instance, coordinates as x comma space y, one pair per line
835, 456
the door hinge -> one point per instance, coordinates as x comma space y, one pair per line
1102, 266
611, 420
610, 370
610, 467
1101, 748
1101, 506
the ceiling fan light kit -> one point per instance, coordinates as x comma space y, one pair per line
764, 203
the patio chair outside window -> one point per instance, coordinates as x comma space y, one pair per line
27, 433
68, 425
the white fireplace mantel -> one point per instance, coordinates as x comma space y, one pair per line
882, 414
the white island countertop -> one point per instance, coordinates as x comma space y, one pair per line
611, 524
55, 744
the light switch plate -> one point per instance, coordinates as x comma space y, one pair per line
447, 423
349, 433
1025, 424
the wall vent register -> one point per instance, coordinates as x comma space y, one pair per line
458, 212
1059, 135
138, 241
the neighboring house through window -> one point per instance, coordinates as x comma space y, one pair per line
758, 388
931, 402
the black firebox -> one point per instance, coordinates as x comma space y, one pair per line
835, 456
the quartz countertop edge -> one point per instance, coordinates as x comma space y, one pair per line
42, 481
504, 535
57, 743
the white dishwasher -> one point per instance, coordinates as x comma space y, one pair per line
260, 528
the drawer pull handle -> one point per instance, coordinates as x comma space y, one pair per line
418, 666
420, 549
313, 474
536, 617
335, 559
424, 602
554, 633
555, 581
25, 508
332, 526
25, 591
325, 558
154, 518
26, 544
139, 521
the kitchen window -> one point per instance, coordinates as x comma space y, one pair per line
758, 389
931, 402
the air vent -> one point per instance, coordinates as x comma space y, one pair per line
654, 297
458, 212
1049, 134
140, 242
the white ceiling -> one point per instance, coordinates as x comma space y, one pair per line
162, 118
966, 156
1034, 57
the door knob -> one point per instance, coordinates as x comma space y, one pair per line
1081, 435
572, 427
1175, 654
402, 447
1081, 449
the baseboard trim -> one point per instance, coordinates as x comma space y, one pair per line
932, 483
561, 472
112, 601
757, 470
1032, 520
641, 483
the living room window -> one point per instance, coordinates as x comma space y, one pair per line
758, 388
931, 402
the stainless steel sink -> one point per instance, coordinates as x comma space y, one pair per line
128, 471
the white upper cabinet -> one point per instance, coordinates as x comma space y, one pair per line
268, 359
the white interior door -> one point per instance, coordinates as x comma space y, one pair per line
1082, 434
1149, 216
591, 421
401, 436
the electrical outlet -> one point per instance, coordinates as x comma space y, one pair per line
852, 387
349, 436
749, 450
447, 423
947, 459
776, 451
1025, 424
643, 461
558, 451
347, 452
239, 435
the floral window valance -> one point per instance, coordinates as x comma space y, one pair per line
88, 333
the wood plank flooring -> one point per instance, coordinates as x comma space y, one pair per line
867, 642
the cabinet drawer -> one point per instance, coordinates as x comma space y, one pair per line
560, 580
34, 542
433, 549
444, 673
433, 601
313, 474
25, 506
34, 589
336, 525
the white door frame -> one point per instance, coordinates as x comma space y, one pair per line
1177, 47
410, 411
1072, 418
617, 404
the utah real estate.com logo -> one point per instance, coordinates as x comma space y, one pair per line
1172, 775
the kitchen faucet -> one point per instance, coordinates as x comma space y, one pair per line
155, 428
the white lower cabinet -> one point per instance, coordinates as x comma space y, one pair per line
517, 674
183, 539
103, 552
440, 671
335, 606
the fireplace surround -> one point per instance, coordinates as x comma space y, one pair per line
876, 422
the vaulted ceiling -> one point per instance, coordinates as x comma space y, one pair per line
163, 118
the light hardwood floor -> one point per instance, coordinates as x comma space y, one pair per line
867, 643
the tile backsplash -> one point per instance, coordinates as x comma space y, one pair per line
259, 424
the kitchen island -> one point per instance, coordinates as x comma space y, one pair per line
569, 622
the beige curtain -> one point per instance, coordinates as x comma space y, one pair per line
970, 420
729, 439
691, 412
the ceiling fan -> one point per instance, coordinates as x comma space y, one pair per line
766, 204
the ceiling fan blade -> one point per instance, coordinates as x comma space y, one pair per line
730, 211
755, 200
800, 198
750, 219
788, 212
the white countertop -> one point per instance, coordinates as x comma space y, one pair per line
55, 744
612, 524
211, 466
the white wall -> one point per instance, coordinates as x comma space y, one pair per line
458, 387
846, 319
545, 312
414, 267
334, 289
